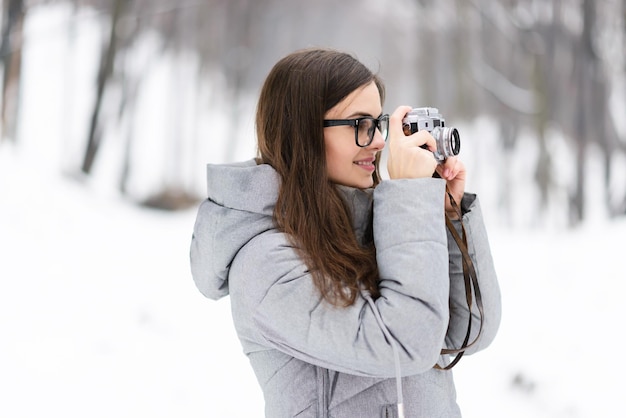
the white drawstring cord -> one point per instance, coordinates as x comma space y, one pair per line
394, 346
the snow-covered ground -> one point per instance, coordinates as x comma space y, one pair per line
99, 316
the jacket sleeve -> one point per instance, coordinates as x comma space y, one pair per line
270, 284
480, 253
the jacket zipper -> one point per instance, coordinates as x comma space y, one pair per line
322, 392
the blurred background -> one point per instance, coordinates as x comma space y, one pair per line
111, 109
173, 85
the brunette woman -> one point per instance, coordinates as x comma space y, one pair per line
344, 287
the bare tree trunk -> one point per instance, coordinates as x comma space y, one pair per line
11, 52
543, 170
239, 66
127, 111
104, 74
620, 209
585, 113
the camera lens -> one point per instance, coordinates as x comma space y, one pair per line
455, 142
448, 142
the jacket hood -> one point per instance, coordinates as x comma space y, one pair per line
240, 205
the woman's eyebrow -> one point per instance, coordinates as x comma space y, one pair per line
362, 114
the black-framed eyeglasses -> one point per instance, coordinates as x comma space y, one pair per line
364, 128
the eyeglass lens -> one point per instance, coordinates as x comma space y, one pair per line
366, 129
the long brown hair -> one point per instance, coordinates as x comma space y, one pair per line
296, 95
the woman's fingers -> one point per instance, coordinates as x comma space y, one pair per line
407, 158
450, 168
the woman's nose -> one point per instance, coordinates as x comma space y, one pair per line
378, 142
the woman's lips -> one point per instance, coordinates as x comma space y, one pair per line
366, 164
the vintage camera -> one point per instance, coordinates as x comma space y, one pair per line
428, 118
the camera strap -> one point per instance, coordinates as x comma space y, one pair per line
472, 290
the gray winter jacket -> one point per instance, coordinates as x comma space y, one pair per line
315, 360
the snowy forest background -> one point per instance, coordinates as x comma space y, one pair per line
110, 110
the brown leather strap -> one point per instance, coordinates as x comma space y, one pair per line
471, 282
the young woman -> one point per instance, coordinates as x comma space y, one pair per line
344, 287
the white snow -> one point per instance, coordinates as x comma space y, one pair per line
99, 315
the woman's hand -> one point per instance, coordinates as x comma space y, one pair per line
452, 170
406, 160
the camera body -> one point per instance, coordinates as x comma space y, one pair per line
429, 119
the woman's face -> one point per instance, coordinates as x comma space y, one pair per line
347, 163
